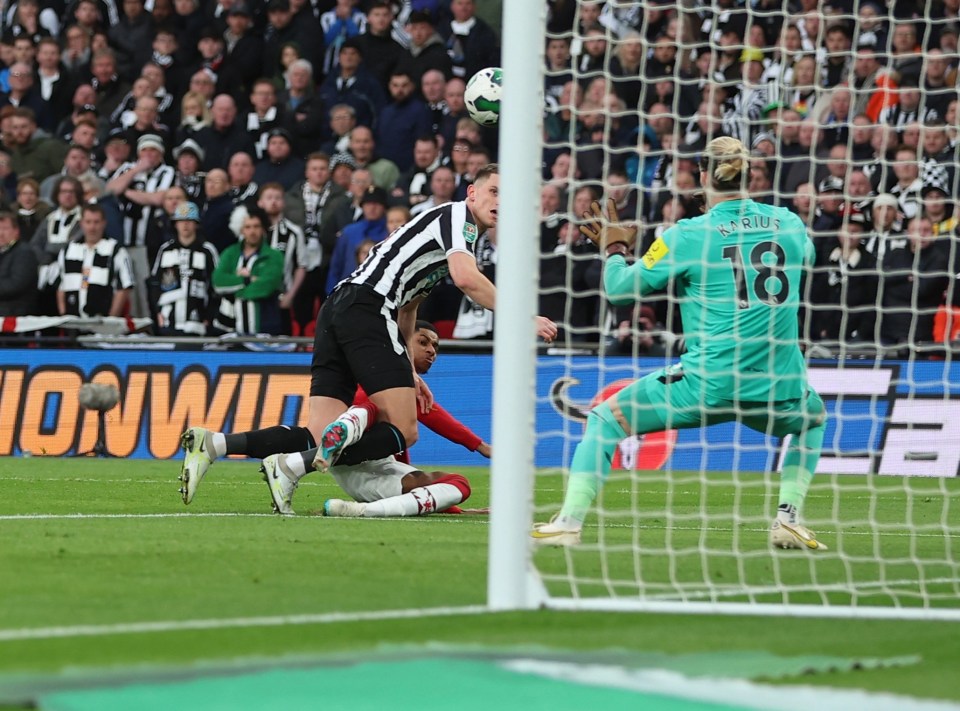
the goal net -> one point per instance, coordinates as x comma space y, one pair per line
848, 109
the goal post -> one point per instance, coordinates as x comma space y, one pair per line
681, 525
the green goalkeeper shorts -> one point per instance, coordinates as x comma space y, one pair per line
670, 399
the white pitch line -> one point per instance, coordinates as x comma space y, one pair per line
703, 594
14, 635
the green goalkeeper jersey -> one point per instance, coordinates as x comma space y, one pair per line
736, 273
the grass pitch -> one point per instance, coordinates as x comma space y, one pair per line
103, 556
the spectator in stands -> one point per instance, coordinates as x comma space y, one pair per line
843, 286
907, 58
279, 164
213, 62
189, 157
381, 52
471, 43
24, 94
139, 189
243, 44
194, 115
402, 122
110, 89
116, 151
352, 84
28, 208
427, 49
60, 226
443, 184
413, 186
433, 88
343, 119
263, 117
868, 96
287, 238
342, 166
55, 84
315, 203
166, 55
202, 82
224, 136
96, 275
301, 106
181, 283
372, 226
343, 22
132, 37
249, 278
243, 188
286, 26
362, 146
18, 271
938, 208
215, 217
886, 233
829, 201
557, 72
76, 164
913, 279
76, 53
456, 110
937, 91
906, 168
32, 155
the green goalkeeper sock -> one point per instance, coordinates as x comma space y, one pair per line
591, 464
799, 464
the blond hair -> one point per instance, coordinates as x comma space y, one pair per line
727, 162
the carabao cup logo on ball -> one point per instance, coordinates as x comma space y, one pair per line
482, 96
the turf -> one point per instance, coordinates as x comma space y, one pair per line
131, 569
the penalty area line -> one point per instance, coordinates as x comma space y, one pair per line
14, 635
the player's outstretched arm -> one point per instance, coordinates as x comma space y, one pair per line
606, 231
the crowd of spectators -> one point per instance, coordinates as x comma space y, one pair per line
219, 166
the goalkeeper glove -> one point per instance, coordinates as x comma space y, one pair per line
607, 232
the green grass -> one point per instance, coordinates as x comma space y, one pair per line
101, 571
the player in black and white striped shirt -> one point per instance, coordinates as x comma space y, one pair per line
362, 329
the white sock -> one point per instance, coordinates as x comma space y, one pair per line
217, 445
292, 466
419, 502
357, 418
788, 514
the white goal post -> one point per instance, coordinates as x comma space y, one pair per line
908, 568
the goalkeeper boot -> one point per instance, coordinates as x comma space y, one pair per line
556, 533
339, 507
281, 485
340, 434
791, 535
196, 460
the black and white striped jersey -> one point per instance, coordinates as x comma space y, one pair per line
183, 280
410, 262
288, 239
90, 275
136, 218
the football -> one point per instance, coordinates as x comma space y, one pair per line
482, 96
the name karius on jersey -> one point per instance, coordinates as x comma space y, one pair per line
754, 222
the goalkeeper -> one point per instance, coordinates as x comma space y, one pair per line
736, 272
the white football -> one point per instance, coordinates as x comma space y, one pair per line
482, 96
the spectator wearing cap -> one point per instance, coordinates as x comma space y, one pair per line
132, 37
402, 122
352, 84
372, 226
109, 87
315, 202
936, 203
381, 51
55, 83
363, 149
283, 26
343, 22
224, 136
249, 279
264, 115
828, 216
301, 106
342, 167
23, 94
279, 164
887, 232
843, 285
181, 280
470, 42
32, 154
189, 157
427, 49
138, 188
76, 164
243, 45
288, 239
213, 61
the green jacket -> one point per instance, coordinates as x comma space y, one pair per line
266, 277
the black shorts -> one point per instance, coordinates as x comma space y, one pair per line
357, 341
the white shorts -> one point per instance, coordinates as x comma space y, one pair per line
374, 480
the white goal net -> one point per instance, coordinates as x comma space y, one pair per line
849, 111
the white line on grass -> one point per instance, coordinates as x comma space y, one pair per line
13, 635
703, 594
